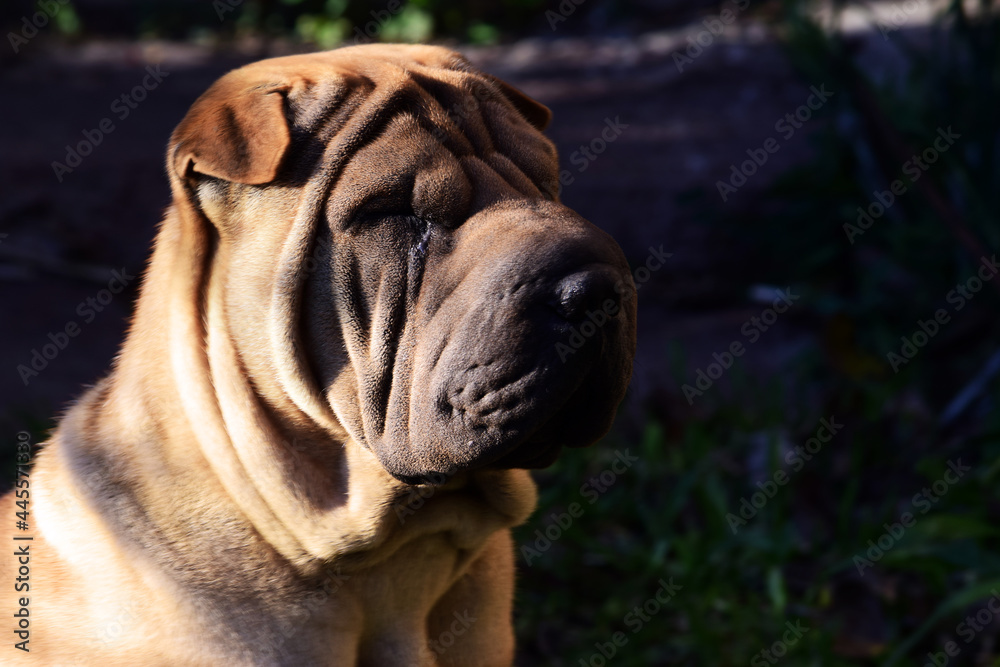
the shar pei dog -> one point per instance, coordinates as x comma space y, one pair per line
357, 297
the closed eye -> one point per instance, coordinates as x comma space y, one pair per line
383, 206
423, 229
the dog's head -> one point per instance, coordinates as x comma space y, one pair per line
396, 260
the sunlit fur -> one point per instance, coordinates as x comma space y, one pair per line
224, 496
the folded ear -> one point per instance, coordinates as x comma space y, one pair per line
534, 112
234, 133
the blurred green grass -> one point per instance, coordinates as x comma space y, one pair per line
666, 518
796, 559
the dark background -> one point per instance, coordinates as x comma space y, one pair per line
899, 73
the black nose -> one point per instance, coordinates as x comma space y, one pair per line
586, 292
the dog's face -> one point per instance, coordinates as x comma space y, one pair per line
432, 281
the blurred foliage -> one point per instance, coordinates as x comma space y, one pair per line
25, 20
873, 285
797, 558
66, 19
323, 23
665, 518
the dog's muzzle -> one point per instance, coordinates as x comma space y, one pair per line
525, 346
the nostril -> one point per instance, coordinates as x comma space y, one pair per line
571, 295
585, 292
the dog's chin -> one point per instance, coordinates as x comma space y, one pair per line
525, 448
501, 453
530, 455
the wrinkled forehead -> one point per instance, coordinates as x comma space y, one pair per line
384, 130
407, 170
421, 109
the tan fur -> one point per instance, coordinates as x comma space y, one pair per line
224, 496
